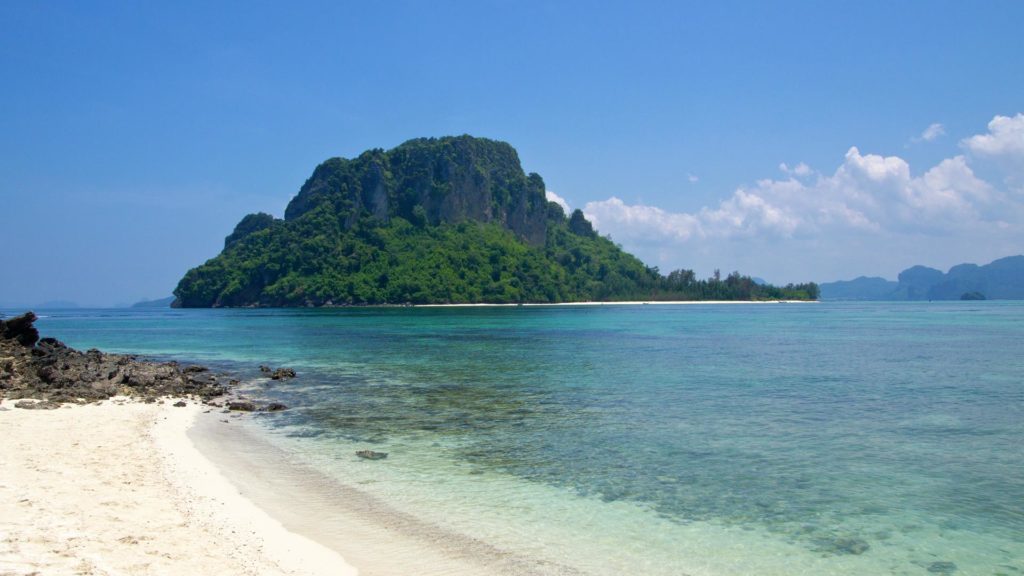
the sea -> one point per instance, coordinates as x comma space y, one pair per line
677, 439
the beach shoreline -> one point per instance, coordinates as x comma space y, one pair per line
131, 487
118, 487
619, 303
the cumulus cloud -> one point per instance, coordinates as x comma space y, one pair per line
1001, 149
645, 222
1005, 138
552, 197
800, 169
870, 202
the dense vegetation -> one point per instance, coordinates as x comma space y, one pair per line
354, 236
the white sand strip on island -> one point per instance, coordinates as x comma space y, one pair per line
120, 489
620, 303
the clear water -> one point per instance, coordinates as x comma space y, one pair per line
882, 438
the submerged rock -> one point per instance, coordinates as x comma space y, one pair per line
942, 567
846, 545
371, 455
282, 373
274, 407
242, 406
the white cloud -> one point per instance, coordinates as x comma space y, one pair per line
872, 209
799, 170
932, 132
642, 222
552, 197
1005, 138
692, 178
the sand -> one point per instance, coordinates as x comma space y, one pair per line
118, 488
623, 303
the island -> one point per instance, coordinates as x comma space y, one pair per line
1001, 279
451, 220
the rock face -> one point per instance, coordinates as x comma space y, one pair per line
48, 370
432, 221
447, 180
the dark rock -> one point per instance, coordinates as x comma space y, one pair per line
51, 370
282, 373
41, 405
49, 346
242, 406
265, 369
371, 455
942, 567
20, 328
180, 404
200, 378
274, 407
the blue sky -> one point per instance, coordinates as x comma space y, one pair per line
133, 136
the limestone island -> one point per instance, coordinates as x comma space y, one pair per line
451, 220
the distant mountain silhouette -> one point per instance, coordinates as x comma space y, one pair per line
1002, 279
157, 303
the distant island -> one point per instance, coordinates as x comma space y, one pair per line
1001, 279
437, 221
157, 303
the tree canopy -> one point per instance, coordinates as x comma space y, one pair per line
436, 221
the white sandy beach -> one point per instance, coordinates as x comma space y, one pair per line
120, 489
624, 303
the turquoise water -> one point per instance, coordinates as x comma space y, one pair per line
882, 438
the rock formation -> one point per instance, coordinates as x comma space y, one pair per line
46, 369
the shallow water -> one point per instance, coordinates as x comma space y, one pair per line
880, 438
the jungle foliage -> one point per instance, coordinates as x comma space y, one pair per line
451, 220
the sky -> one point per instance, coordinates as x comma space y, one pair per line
789, 140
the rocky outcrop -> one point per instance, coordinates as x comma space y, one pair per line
50, 371
242, 406
434, 180
277, 374
432, 221
20, 329
282, 374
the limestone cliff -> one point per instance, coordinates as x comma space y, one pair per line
442, 180
434, 220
